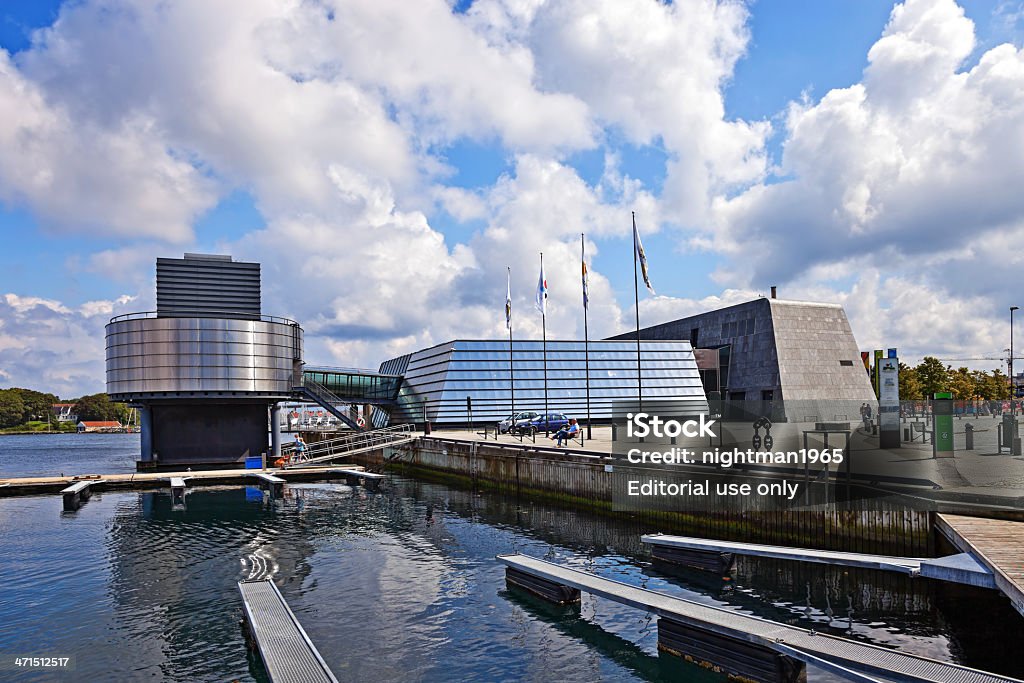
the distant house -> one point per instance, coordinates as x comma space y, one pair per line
99, 426
65, 412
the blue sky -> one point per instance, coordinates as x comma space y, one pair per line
796, 48
360, 164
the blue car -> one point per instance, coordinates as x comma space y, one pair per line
555, 421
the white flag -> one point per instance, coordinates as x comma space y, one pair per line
542, 289
508, 300
642, 256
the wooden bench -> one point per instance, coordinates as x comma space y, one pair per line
78, 492
573, 438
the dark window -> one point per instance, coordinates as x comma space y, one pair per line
694, 333
750, 326
847, 363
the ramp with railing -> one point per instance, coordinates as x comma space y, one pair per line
351, 444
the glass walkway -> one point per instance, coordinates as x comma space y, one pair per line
353, 385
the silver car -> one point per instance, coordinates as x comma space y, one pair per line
505, 424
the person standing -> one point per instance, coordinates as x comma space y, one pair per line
300, 449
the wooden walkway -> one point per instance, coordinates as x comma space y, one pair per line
737, 628
997, 544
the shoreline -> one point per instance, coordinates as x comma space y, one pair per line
23, 433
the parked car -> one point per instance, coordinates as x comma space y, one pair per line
505, 424
553, 423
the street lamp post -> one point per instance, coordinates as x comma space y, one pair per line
1013, 396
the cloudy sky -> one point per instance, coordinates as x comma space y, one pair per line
385, 160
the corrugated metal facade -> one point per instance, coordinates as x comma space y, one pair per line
207, 286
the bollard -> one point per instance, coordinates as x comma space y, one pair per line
1016, 446
969, 433
906, 433
426, 427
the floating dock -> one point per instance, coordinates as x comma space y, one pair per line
708, 554
997, 544
92, 483
287, 652
741, 645
178, 488
77, 492
360, 476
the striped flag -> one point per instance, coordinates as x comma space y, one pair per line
542, 290
642, 256
508, 300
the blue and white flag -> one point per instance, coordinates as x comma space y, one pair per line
642, 257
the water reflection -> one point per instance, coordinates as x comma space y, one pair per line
402, 584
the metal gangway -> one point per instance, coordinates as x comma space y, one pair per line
351, 444
287, 652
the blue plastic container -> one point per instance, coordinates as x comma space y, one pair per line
254, 463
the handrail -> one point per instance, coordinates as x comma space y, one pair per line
329, 400
231, 315
336, 448
343, 440
321, 391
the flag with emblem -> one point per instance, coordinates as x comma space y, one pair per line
642, 257
542, 290
508, 300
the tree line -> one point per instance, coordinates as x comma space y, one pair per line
930, 376
21, 406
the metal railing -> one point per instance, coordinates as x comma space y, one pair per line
322, 392
355, 443
326, 398
329, 369
230, 315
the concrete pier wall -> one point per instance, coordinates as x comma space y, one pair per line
582, 481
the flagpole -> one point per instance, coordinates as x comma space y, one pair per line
544, 333
511, 372
586, 332
636, 295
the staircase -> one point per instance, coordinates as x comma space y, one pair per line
323, 396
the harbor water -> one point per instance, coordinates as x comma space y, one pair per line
398, 585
